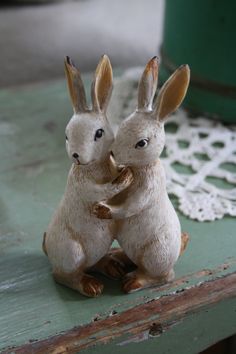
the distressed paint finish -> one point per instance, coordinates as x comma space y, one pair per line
33, 174
163, 313
184, 336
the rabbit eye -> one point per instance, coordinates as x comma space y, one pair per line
66, 137
141, 144
98, 134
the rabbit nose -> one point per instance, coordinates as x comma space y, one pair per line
75, 155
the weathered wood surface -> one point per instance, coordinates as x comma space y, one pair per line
39, 316
163, 312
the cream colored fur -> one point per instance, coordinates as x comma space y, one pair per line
148, 227
75, 239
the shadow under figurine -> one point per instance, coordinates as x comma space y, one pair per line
76, 241
147, 226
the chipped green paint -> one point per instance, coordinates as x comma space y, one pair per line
33, 173
192, 335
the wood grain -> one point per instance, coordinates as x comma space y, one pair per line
155, 316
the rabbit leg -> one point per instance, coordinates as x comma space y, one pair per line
83, 283
68, 259
115, 264
138, 280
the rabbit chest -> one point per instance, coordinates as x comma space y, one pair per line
155, 227
95, 235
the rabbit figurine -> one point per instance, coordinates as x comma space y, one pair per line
147, 226
76, 240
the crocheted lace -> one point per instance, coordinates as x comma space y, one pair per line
199, 156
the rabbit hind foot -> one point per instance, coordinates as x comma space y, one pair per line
85, 284
115, 264
138, 280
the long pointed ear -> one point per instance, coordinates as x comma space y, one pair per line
102, 85
75, 86
172, 93
148, 85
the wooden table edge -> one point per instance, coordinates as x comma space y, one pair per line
153, 317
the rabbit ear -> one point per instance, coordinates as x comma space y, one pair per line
102, 85
172, 92
148, 85
75, 86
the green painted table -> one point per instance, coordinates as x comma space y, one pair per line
39, 316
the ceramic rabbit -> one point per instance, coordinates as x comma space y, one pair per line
75, 239
148, 228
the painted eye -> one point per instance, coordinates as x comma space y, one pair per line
141, 144
98, 134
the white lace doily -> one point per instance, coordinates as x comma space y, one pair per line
199, 157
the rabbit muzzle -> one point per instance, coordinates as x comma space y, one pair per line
75, 158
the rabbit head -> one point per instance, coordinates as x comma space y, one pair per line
140, 138
88, 133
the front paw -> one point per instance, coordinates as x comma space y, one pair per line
102, 211
124, 179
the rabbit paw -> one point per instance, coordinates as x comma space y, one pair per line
119, 255
110, 266
102, 211
131, 283
91, 286
114, 269
125, 178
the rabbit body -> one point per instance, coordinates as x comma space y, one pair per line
147, 226
75, 237
151, 238
76, 240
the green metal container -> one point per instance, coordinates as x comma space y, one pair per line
202, 33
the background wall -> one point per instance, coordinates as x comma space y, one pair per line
34, 39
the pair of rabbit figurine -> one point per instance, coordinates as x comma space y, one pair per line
116, 188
